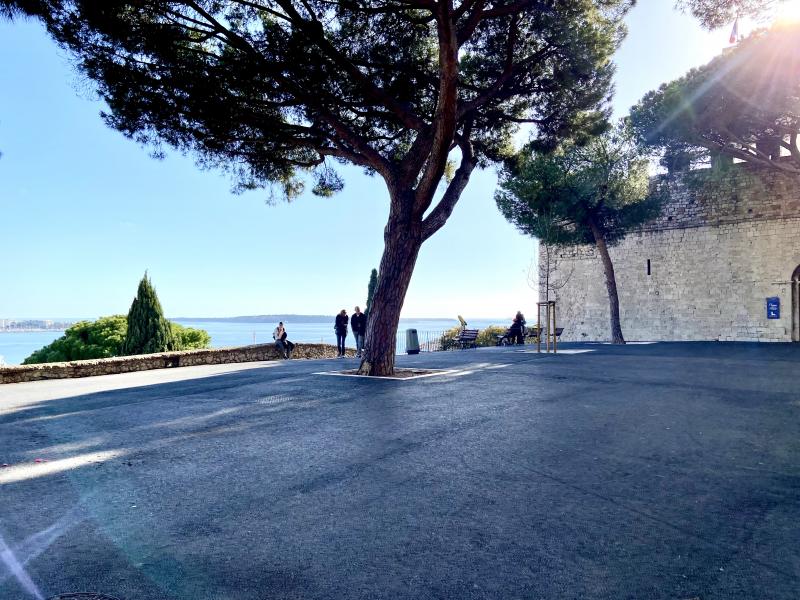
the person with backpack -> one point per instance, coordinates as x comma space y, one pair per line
340, 327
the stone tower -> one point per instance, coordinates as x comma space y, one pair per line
703, 270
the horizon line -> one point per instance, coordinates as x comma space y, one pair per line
76, 319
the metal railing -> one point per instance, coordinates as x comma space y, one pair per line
429, 341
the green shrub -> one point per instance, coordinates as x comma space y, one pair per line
187, 338
448, 339
83, 341
486, 337
103, 338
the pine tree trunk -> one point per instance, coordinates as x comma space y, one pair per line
403, 240
611, 284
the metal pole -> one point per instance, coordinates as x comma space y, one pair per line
796, 311
538, 327
547, 339
555, 330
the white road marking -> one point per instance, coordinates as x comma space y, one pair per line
340, 374
567, 351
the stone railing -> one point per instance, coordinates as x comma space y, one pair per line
163, 360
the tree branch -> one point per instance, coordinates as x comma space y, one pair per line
794, 152
744, 155
445, 118
439, 215
509, 72
757, 155
316, 34
376, 161
474, 7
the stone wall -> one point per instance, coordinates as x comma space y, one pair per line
741, 194
163, 360
714, 256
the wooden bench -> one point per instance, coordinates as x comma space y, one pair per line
467, 338
506, 338
530, 334
533, 334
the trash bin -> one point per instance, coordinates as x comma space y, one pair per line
412, 341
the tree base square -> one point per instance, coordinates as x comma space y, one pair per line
399, 374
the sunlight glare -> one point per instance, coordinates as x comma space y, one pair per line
787, 13
27, 471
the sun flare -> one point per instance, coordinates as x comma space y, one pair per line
787, 12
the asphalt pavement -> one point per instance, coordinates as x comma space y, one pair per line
644, 471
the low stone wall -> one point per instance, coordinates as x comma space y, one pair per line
163, 360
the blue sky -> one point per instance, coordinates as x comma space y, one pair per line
83, 211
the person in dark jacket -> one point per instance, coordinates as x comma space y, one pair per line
340, 327
358, 323
517, 330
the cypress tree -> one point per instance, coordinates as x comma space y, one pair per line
148, 330
371, 286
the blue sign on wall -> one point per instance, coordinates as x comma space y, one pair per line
774, 308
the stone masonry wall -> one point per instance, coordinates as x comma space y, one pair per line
748, 195
163, 360
714, 259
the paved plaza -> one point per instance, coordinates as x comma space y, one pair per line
644, 471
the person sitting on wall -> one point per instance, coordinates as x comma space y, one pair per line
283, 345
516, 333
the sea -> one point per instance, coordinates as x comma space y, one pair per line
16, 346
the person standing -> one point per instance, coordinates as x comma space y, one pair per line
340, 327
358, 323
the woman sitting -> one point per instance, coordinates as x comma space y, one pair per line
516, 333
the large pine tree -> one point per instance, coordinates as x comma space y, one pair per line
148, 330
592, 193
281, 92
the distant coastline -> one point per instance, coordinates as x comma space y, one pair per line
257, 319
60, 325
296, 318
34, 325
34, 330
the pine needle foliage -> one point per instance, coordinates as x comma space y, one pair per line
148, 329
744, 105
713, 14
